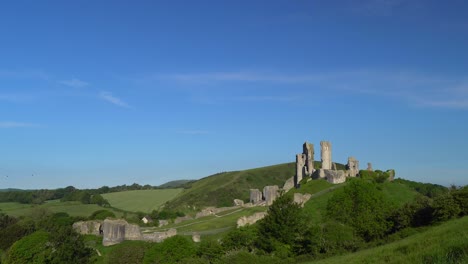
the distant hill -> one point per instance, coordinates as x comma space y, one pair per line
10, 190
176, 184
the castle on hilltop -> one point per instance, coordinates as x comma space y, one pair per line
305, 165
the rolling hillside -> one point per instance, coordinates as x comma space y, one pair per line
141, 200
447, 243
222, 188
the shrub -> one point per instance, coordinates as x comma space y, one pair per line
101, 215
128, 252
171, 250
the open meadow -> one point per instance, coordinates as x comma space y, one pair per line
141, 200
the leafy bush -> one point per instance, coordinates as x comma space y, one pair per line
128, 252
171, 250
282, 227
240, 239
362, 206
101, 215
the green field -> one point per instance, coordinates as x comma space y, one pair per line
55, 206
142, 200
447, 243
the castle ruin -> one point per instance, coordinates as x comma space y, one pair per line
328, 171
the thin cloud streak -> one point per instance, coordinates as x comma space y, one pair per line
107, 96
414, 88
16, 125
75, 83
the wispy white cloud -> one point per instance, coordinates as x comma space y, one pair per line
16, 124
417, 89
107, 96
75, 83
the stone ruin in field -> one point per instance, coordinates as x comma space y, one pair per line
328, 171
115, 231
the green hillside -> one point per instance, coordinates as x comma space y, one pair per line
72, 208
447, 243
141, 200
222, 188
176, 184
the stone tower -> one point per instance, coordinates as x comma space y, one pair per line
326, 150
300, 162
308, 151
353, 166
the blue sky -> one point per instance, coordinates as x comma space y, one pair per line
99, 93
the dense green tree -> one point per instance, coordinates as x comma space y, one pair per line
362, 206
128, 253
282, 227
240, 239
101, 215
445, 207
30, 249
210, 250
171, 250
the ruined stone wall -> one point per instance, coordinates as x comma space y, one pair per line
326, 155
353, 167
300, 163
301, 199
88, 227
308, 151
332, 176
249, 220
270, 193
159, 236
255, 196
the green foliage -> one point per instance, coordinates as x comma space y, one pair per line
246, 257
171, 250
378, 176
210, 250
240, 239
101, 215
445, 207
165, 214
445, 243
427, 189
336, 238
67, 246
128, 253
99, 200
362, 206
461, 198
413, 214
30, 249
282, 227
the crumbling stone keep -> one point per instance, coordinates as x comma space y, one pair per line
326, 155
308, 151
300, 163
369, 166
255, 196
353, 167
270, 193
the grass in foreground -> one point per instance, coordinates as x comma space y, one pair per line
141, 200
447, 243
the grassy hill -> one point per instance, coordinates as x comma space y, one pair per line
141, 200
447, 243
176, 184
55, 206
222, 188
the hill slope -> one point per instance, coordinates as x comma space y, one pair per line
222, 188
447, 243
141, 200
